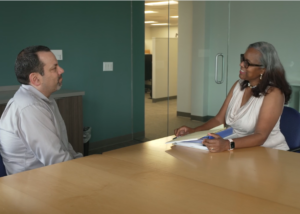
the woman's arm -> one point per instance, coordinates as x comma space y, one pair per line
269, 114
217, 120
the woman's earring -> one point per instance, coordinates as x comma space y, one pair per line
260, 76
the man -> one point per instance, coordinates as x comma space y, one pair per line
32, 131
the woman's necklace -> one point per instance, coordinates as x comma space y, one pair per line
251, 86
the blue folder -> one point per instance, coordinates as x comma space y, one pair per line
222, 134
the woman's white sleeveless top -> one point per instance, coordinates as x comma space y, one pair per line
243, 119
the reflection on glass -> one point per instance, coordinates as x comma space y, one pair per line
158, 29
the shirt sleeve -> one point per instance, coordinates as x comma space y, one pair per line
38, 131
73, 153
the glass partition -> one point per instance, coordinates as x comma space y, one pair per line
211, 37
156, 68
201, 89
194, 49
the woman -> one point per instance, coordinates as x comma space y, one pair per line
254, 104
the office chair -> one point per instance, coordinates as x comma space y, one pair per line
2, 168
290, 128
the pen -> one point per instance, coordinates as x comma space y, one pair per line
206, 137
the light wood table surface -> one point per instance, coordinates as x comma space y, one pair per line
155, 177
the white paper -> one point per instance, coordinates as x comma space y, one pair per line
192, 145
196, 135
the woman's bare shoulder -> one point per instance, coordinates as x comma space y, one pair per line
273, 94
273, 90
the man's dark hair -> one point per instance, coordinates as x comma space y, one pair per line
28, 62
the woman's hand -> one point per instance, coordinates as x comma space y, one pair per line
216, 145
183, 130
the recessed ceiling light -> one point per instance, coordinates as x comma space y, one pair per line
174, 16
149, 22
160, 24
149, 11
161, 3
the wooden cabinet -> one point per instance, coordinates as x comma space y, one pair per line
2, 107
71, 111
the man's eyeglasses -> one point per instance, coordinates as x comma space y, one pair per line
246, 63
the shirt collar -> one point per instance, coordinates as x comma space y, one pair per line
35, 91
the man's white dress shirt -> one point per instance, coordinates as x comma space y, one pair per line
32, 132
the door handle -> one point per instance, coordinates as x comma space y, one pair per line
216, 69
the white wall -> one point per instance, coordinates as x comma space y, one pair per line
185, 30
161, 70
192, 86
148, 39
158, 32
173, 66
199, 80
203, 34
162, 31
156, 40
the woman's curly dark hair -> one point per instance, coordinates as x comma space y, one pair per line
274, 74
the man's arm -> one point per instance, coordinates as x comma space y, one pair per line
73, 153
38, 131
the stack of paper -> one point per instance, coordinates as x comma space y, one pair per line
195, 139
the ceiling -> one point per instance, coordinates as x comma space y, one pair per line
163, 13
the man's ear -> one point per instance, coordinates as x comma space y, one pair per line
35, 79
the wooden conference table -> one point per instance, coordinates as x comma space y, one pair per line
153, 177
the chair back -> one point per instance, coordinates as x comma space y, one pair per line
290, 127
2, 168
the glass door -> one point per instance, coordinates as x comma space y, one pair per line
202, 62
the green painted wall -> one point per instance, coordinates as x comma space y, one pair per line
138, 37
89, 33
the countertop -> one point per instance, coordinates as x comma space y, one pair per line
7, 92
154, 177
